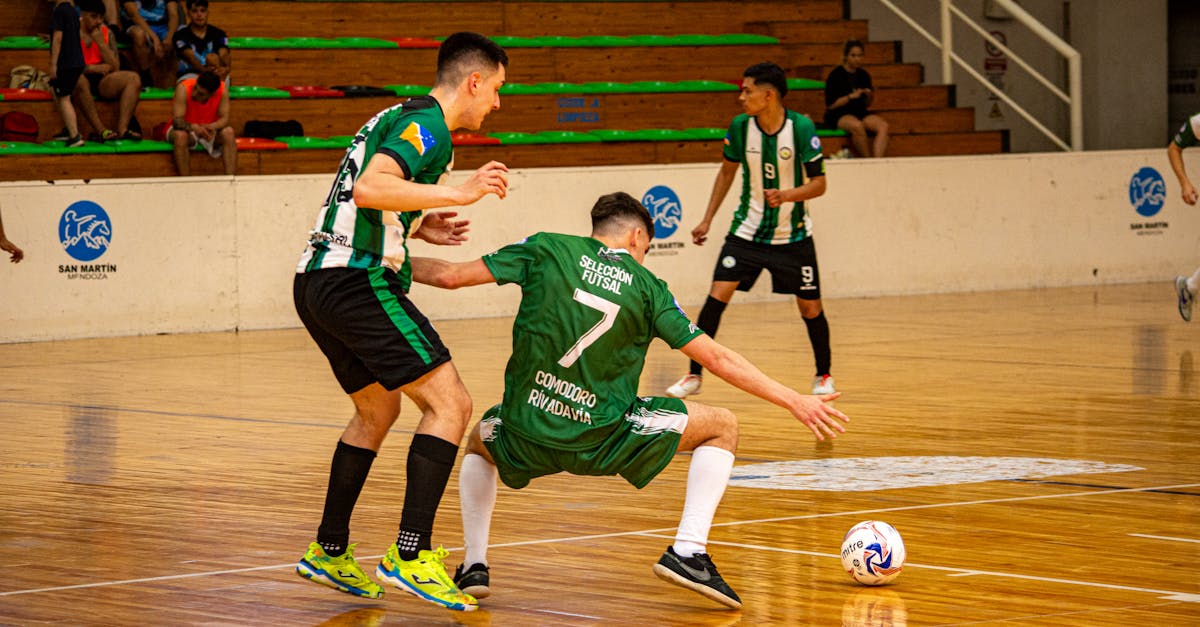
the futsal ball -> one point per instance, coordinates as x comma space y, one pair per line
873, 552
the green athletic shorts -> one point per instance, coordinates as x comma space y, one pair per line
637, 449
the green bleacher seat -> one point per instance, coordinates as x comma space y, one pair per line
24, 42
510, 138
804, 83
91, 148
567, 137
312, 142
703, 85
251, 91
616, 135
127, 146
8, 149
257, 42
605, 87
707, 133
408, 91
160, 93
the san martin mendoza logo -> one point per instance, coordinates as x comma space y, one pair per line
1148, 194
85, 231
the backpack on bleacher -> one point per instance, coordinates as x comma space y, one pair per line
270, 129
18, 126
28, 77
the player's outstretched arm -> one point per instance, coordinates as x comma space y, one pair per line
1187, 190
720, 188
383, 186
816, 414
450, 275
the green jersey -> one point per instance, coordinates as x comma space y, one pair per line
413, 133
1186, 137
587, 316
778, 161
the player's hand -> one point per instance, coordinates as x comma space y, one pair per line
700, 234
440, 227
492, 178
775, 197
1190, 195
12, 249
820, 417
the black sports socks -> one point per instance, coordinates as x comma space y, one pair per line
430, 460
347, 474
709, 320
818, 334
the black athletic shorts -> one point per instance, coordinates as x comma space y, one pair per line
367, 327
793, 267
64, 83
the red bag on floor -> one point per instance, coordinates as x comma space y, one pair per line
18, 126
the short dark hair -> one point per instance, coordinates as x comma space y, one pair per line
196, 3
767, 73
617, 208
91, 6
851, 44
209, 81
463, 53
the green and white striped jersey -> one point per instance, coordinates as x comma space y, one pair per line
587, 316
778, 161
1186, 137
413, 133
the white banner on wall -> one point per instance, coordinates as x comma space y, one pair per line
127, 257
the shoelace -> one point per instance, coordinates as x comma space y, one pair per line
707, 563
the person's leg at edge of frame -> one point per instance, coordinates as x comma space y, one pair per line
330, 559
411, 564
229, 150
711, 434
477, 493
708, 321
817, 325
182, 142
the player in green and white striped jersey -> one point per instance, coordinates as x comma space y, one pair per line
350, 291
779, 155
1185, 287
589, 311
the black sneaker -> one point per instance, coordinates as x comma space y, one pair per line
473, 581
62, 135
74, 142
696, 573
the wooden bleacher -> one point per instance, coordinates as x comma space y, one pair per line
923, 118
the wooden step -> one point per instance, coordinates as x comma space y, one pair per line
323, 117
810, 31
272, 67
98, 166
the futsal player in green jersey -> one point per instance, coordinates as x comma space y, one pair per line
1185, 288
351, 292
779, 155
588, 313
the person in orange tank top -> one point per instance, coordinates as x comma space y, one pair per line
201, 120
104, 77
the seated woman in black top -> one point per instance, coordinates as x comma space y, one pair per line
848, 93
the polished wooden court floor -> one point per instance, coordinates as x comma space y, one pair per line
1038, 450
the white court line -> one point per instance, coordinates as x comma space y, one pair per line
1142, 535
632, 533
1170, 595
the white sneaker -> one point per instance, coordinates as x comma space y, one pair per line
685, 387
1185, 298
823, 385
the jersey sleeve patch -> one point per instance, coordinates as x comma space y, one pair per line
419, 136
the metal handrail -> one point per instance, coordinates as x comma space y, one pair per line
1074, 95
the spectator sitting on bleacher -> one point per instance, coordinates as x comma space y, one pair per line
150, 24
200, 45
201, 119
66, 65
103, 78
848, 94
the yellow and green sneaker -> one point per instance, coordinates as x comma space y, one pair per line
425, 577
340, 573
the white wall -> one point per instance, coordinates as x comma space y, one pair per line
1124, 48
214, 253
